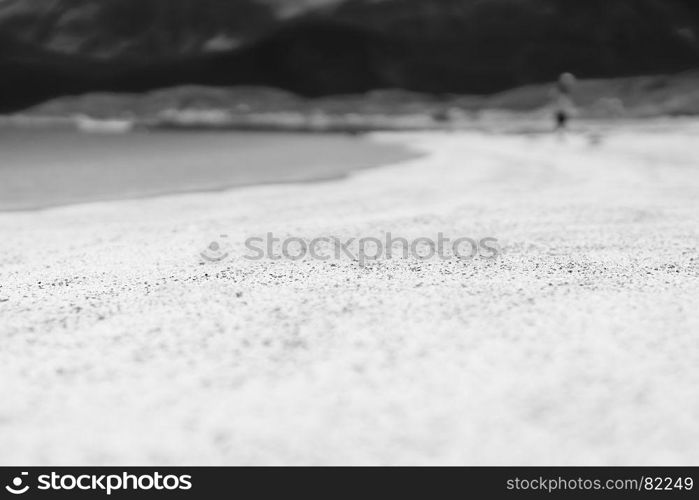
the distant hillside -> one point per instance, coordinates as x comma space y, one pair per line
523, 108
324, 47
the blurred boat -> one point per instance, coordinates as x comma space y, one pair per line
96, 126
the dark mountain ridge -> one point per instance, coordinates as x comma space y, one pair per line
439, 46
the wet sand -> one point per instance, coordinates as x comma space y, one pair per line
42, 168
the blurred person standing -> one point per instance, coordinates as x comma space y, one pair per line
563, 105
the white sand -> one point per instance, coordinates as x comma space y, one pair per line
118, 344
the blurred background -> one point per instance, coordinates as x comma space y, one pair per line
109, 67
232, 62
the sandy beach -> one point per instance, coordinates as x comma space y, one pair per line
578, 345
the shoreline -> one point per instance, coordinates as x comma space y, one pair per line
93, 168
377, 153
